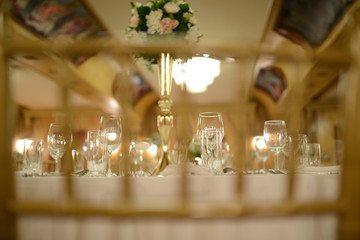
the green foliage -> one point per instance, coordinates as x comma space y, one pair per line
182, 27
143, 11
184, 7
142, 25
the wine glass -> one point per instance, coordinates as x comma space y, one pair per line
112, 125
275, 136
59, 138
210, 128
262, 152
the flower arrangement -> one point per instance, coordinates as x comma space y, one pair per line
163, 19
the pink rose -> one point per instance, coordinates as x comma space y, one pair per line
169, 24
134, 21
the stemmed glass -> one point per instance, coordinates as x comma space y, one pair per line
112, 125
59, 138
210, 129
262, 152
275, 136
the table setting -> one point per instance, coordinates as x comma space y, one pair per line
95, 158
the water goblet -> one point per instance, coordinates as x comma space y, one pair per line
178, 154
286, 153
96, 153
314, 154
59, 138
33, 156
210, 128
301, 150
140, 146
262, 152
112, 125
275, 136
78, 162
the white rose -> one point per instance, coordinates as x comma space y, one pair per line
193, 20
135, 36
154, 22
137, 4
193, 34
171, 7
187, 15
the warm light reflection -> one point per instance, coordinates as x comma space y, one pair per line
20, 145
227, 147
255, 143
197, 73
114, 104
152, 150
116, 151
198, 160
112, 136
260, 143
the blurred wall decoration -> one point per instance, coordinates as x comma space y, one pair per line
272, 81
309, 22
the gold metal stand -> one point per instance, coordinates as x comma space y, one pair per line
165, 119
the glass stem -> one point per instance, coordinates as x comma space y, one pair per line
108, 162
263, 165
276, 166
141, 156
57, 165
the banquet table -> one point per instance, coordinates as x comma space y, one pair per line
104, 191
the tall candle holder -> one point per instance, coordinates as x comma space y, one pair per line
169, 20
165, 119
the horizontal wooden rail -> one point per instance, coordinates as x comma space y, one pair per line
219, 211
222, 51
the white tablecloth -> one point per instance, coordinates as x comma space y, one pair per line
259, 189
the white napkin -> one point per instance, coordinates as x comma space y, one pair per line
192, 169
321, 170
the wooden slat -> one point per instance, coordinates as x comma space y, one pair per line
7, 217
349, 224
229, 210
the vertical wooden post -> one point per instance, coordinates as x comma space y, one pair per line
349, 222
7, 218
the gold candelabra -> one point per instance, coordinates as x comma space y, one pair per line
164, 119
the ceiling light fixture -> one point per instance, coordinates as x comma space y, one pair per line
196, 73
